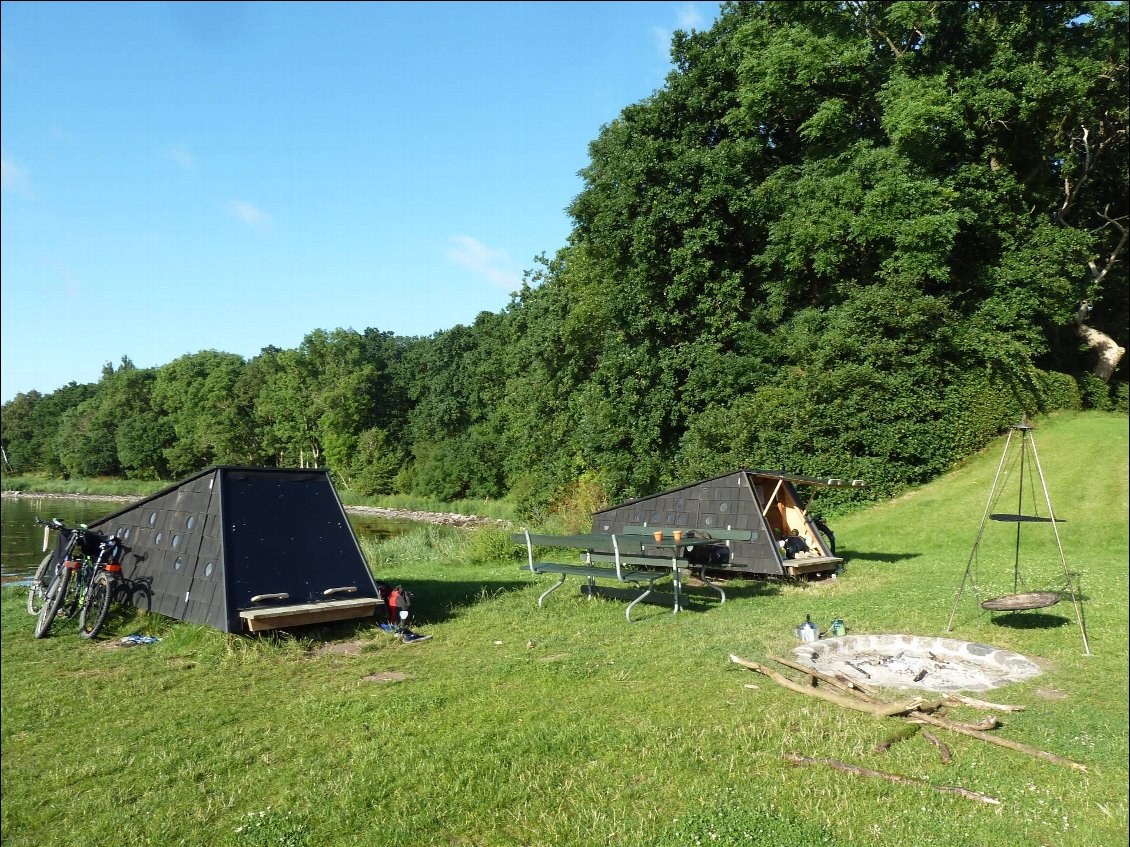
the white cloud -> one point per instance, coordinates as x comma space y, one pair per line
690, 17
495, 266
251, 215
182, 157
13, 177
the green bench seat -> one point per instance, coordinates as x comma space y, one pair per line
595, 573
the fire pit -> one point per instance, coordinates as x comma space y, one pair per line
913, 661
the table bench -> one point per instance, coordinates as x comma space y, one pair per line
623, 552
690, 538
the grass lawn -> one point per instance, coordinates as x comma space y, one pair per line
568, 726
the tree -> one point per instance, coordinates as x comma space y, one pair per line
835, 220
211, 423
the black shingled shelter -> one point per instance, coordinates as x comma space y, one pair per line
764, 502
241, 549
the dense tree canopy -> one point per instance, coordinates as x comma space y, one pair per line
844, 238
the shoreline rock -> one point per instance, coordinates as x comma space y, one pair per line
439, 518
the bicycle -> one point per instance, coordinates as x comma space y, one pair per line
51, 563
103, 588
83, 582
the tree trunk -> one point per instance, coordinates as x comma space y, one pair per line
1110, 353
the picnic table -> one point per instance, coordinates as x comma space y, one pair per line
625, 557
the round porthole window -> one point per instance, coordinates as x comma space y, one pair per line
178, 564
683, 519
725, 507
124, 533
208, 568
656, 517
641, 517
176, 541
709, 520
191, 522
157, 540
152, 518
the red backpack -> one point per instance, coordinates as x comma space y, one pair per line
398, 603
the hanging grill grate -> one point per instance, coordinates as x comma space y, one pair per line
1021, 602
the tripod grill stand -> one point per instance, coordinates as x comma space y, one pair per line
1030, 600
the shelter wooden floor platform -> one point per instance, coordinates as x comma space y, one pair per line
279, 617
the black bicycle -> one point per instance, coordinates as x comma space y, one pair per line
94, 607
84, 581
52, 563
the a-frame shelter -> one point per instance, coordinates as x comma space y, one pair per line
245, 549
766, 503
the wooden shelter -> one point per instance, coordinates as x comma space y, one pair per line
765, 502
245, 549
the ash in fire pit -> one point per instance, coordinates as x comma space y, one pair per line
912, 661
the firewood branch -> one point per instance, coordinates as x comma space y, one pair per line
915, 711
943, 750
797, 759
961, 729
858, 705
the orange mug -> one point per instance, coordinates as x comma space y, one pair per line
677, 535
658, 536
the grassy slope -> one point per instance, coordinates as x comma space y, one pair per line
567, 726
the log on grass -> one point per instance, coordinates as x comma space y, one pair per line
855, 684
943, 749
878, 710
841, 682
890, 777
901, 734
981, 704
962, 729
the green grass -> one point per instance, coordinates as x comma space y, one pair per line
568, 726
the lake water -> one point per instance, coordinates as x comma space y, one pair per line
21, 541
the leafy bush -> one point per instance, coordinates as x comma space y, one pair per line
1060, 392
1121, 398
487, 544
1096, 393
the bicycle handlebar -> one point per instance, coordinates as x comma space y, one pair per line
110, 542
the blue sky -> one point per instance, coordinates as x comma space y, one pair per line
181, 177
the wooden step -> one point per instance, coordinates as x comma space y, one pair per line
279, 617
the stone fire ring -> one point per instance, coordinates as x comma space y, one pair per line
916, 662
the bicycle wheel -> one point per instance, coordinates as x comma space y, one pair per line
53, 601
95, 606
38, 586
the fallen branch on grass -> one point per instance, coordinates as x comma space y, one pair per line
859, 705
890, 777
943, 750
985, 725
864, 693
981, 704
962, 729
917, 713
900, 734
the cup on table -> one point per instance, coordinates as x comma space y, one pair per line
658, 534
677, 535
